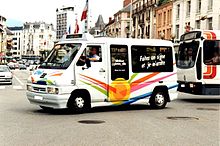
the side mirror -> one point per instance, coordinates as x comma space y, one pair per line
80, 63
88, 63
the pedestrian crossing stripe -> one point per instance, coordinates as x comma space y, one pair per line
17, 87
2, 87
13, 87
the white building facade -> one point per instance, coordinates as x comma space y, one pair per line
37, 37
2, 35
65, 21
144, 18
120, 26
195, 14
17, 40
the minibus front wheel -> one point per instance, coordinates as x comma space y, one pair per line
158, 99
79, 101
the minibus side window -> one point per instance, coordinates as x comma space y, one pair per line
92, 54
151, 59
119, 62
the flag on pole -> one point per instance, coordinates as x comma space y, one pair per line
85, 10
76, 27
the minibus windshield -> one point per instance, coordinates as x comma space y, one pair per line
187, 54
61, 56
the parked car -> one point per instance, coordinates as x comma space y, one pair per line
27, 64
22, 67
16, 66
5, 74
11, 66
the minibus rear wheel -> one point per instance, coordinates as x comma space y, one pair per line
158, 99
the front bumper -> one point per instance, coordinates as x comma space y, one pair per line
48, 100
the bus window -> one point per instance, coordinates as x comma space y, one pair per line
119, 62
211, 54
92, 53
151, 59
187, 54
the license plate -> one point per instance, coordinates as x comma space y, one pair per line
38, 97
182, 85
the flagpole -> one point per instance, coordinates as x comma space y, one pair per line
87, 31
131, 7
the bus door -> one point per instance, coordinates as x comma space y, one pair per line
91, 71
119, 87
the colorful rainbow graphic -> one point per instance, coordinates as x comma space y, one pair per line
120, 89
45, 79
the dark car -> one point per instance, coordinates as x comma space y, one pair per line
11, 66
22, 67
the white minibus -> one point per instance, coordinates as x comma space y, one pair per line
82, 72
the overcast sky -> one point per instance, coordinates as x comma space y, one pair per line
45, 10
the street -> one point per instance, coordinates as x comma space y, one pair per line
188, 121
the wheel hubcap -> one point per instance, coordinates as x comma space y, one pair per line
79, 102
159, 99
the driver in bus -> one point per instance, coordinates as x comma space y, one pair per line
93, 55
190, 56
214, 60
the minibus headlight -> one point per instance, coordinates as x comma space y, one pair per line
29, 88
52, 90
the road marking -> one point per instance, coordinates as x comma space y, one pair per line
2, 87
17, 87
18, 80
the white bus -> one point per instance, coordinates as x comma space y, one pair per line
198, 62
83, 72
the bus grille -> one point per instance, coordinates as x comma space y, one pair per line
38, 89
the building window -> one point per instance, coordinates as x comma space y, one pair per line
197, 24
209, 22
198, 6
210, 4
159, 20
188, 8
171, 14
164, 18
41, 36
177, 31
178, 11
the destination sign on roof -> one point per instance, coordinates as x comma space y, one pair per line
191, 36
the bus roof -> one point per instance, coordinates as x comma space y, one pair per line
206, 34
121, 41
211, 34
